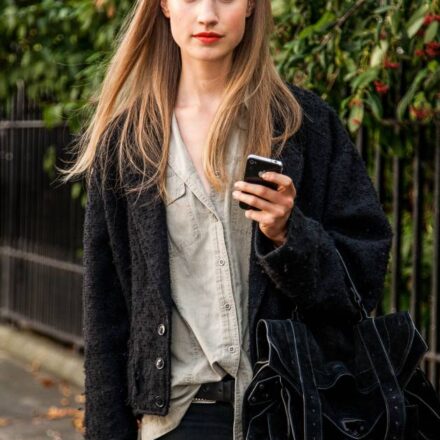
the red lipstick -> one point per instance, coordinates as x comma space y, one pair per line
208, 37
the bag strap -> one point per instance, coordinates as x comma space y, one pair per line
355, 294
312, 410
389, 386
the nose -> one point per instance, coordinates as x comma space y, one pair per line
207, 13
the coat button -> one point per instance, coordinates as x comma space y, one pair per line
159, 401
161, 329
160, 363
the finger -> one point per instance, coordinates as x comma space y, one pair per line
262, 191
255, 201
259, 216
280, 179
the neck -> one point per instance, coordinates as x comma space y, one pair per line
202, 84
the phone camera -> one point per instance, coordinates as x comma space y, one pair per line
252, 162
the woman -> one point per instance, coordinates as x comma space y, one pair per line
176, 274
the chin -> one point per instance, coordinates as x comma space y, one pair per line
205, 55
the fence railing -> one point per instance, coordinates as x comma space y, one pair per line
41, 229
408, 185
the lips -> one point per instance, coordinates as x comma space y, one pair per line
208, 35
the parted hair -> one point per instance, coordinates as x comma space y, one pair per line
134, 106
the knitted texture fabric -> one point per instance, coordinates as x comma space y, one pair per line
126, 290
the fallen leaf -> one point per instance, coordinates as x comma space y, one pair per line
47, 382
4, 421
65, 401
80, 398
65, 389
78, 422
58, 413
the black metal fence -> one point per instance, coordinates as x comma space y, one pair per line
408, 184
41, 229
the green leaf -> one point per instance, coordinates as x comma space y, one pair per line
418, 14
433, 66
326, 19
364, 78
378, 54
318, 27
49, 161
382, 9
75, 190
414, 27
375, 104
306, 32
356, 117
53, 114
431, 32
407, 98
395, 21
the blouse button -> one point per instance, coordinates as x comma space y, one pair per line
160, 363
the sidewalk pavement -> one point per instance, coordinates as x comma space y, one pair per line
30, 347
41, 392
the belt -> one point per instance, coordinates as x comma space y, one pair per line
222, 391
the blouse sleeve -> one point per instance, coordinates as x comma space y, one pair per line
306, 267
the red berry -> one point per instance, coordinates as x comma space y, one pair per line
390, 65
419, 113
430, 18
381, 87
433, 45
433, 49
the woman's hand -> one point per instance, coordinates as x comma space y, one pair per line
275, 205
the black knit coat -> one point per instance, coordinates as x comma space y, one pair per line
126, 290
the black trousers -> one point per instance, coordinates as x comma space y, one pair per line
204, 421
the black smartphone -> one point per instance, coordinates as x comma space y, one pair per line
255, 167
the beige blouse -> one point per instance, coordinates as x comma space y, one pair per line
209, 250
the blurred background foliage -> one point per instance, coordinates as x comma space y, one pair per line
375, 61
59, 49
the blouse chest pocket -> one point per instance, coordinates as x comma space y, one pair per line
183, 229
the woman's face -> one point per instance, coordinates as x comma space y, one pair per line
190, 17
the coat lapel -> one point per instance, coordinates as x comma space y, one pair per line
150, 224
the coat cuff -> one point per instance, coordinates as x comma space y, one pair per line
268, 254
294, 267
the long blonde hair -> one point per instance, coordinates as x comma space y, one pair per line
138, 95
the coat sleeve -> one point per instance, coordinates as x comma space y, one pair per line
306, 267
106, 330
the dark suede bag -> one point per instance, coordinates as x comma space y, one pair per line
380, 393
